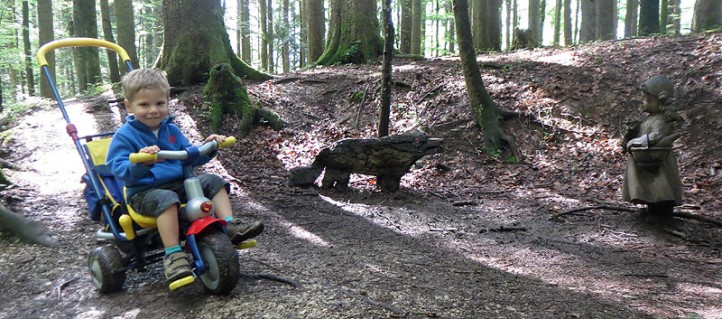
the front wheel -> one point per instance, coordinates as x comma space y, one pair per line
106, 269
221, 260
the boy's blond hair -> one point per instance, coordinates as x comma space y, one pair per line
140, 79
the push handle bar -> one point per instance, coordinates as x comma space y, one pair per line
204, 149
79, 42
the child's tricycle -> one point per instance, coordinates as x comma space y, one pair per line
130, 241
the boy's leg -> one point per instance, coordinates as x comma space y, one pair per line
163, 204
236, 230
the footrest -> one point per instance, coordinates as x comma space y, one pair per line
185, 281
247, 244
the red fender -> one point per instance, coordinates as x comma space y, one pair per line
201, 224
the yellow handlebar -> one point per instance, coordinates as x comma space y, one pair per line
228, 142
136, 158
79, 42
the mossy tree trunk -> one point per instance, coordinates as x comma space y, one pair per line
195, 41
486, 112
196, 47
353, 33
226, 94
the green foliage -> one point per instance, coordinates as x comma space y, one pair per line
356, 96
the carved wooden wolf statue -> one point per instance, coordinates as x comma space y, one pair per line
388, 158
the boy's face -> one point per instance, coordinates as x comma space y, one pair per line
150, 107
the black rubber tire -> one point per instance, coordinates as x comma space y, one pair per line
106, 269
221, 259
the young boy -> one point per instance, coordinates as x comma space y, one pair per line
156, 188
651, 176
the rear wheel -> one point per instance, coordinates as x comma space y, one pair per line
221, 260
106, 269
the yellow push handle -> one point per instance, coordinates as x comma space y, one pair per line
136, 158
79, 42
228, 142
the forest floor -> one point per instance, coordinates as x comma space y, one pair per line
474, 240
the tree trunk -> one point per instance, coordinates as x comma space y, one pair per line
29, 66
674, 19
114, 74
226, 95
493, 25
86, 25
303, 36
125, 24
605, 28
286, 65
195, 41
245, 32
316, 22
707, 15
630, 20
354, 33
45, 35
477, 24
385, 107
486, 112
534, 23
270, 35
416, 26
263, 17
568, 37
589, 21
648, 17
450, 31
557, 22
507, 22
406, 25
663, 13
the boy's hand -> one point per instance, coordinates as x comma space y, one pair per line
151, 150
216, 137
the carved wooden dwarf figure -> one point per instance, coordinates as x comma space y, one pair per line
651, 176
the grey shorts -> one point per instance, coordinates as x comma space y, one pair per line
155, 201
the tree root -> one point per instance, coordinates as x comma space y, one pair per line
632, 209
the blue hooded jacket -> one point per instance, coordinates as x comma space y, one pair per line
133, 136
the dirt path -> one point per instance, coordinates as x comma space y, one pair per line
476, 242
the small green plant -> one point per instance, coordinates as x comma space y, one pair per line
356, 96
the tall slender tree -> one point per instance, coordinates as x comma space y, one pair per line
486, 111
245, 29
263, 20
86, 25
285, 37
29, 76
125, 24
589, 21
316, 21
385, 106
406, 26
605, 27
630, 20
271, 37
535, 24
416, 26
113, 73
568, 39
45, 35
648, 17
